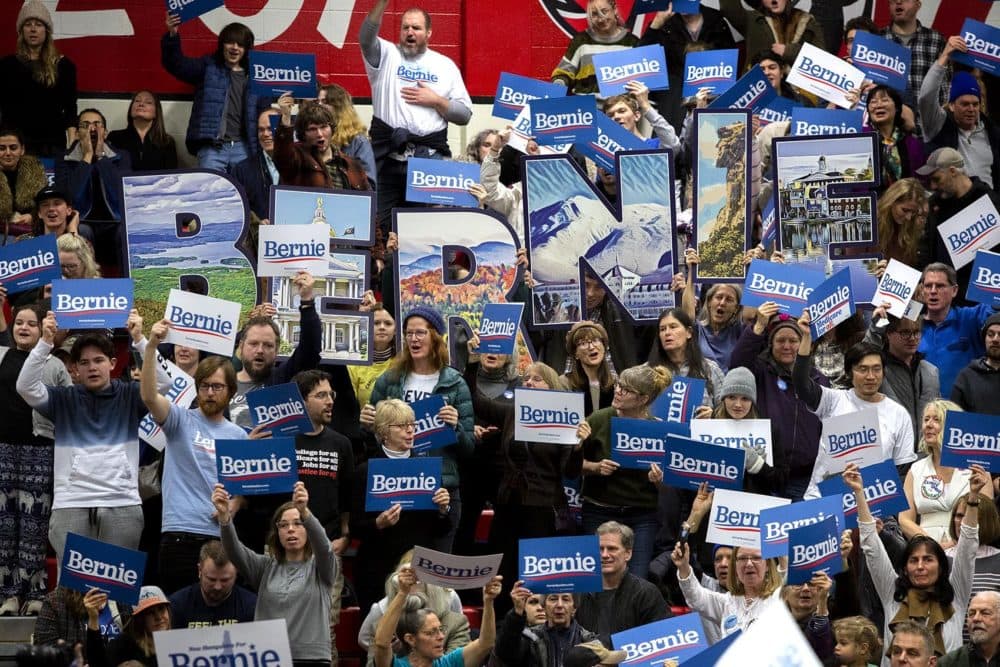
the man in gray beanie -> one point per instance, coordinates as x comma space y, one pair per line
978, 384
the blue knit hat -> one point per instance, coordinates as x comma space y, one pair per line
432, 316
963, 83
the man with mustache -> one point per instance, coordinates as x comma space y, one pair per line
983, 622
978, 384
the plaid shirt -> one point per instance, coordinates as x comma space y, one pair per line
925, 48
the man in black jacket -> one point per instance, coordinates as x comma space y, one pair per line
519, 642
978, 384
257, 174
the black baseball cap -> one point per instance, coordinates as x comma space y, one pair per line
51, 193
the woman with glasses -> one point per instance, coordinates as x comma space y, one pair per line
902, 213
604, 33
293, 581
590, 369
677, 348
613, 494
387, 535
902, 152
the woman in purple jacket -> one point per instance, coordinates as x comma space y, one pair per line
901, 152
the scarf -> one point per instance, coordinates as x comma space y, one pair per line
919, 606
384, 355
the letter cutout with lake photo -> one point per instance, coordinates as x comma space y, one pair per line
187, 230
631, 248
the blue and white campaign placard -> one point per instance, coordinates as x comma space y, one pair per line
178, 388
192, 9
520, 135
983, 44
688, 463
29, 264
563, 120
281, 409
273, 74
710, 656
645, 64
261, 643
89, 564
679, 401
735, 517
975, 226
542, 415
830, 303
455, 572
256, 467
898, 284
202, 322
431, 432
970, 438
498, 327
777, 110
768, 226
814, 548
812, 122
752, 91
883, 491
92, 303
777, 521
739, 434
654, 644
787, 285
715, 70
515, 91
851, 438
824, 74
444, 182
984, 287
882, 60
638, 443
611, 139
560, 564
409, 483
284, 250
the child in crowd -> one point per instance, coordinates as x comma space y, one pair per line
857, 642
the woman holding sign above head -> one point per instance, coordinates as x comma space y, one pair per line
293, 582
926, 588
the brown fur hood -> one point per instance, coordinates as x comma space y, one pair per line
30, 180
789, 28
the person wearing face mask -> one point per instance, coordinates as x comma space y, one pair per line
604, 33
25, 465
777, 25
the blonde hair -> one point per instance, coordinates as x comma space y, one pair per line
861, 631
347, 124
940, 406
48, 58
908, 233
391, 411
772, 578
80, 246
645, 380
547, 373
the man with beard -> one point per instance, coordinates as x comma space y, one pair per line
189, 468
521, 642
215, 599
983, 622
416, 92
978, 384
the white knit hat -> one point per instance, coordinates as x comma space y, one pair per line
34, 9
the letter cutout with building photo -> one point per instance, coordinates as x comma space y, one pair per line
721, 193
631, 247
187, 230
349, 215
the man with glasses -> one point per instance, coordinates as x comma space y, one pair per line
909, 379
257, 174
189, 468
978, 385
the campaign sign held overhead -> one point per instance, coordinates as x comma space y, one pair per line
777, 521
897, 286
560, 564
514, 91
274, 74
256, 467
456, 572
975, 227
735, 517
786, 284
637, 443
752, 91
654, 644
884, 61
547, 416
970, 438
29, 264
92, 303
688, 463
280, 408
768, 225
679, 401
883, 491
192, 9
520, 135
814, 548
564, 120
202, 322
257, 644
645, 64
284, 250
739, 434
715, 70
824, 74
985, 284
111, 569
431, 432
611, 139
983, 43
812, 122
498, 327
830, 303
445, 182
410, 483
851, 438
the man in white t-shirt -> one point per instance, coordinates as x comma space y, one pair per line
864, 365
416, 92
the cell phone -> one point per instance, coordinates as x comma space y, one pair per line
685, 533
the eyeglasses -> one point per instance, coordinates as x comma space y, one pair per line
70, 267
212, 387
912, 334
285, 525
416, 334
868, 370
323, 395
405, 426
743, 560
433, 632
591, 342
620, 388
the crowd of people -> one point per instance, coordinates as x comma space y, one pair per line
922, 588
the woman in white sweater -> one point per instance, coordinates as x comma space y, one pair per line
925, 589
